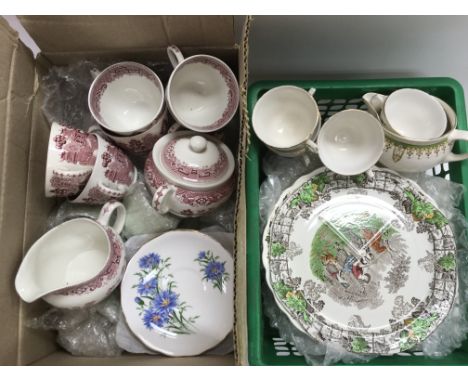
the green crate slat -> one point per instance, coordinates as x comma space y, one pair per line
265, 345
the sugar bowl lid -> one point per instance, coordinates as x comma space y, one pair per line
193, 160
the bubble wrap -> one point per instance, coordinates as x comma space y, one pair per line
89, 332
280, 174
142, 218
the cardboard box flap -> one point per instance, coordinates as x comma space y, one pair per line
17, 88
113, 33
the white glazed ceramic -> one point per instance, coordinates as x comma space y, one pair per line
76, 264
177, 293
202, 93
366, 263
71, 155
407, 155
140, 143
126, 98
112, 175
286, 119
350, 142
410, 113
189, 174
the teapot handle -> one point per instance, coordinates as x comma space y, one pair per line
107, 211
162, 198
457, 135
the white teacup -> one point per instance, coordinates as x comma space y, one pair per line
126, 98
202, 93
410, 113
287, 120
71, 155
112, 175
350, 142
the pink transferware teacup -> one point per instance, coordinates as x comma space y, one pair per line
126, 98
112, 175
202, 93
140, 143
71, 155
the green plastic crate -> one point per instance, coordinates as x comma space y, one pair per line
266, 347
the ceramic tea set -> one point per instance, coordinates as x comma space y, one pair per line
408, 131
354, 254
177, 291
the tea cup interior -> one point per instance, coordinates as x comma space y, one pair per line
70, 254
203, 93
285, 117
131, 99
351, 142
415, 114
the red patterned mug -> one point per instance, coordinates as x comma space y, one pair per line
71, 155
112, 175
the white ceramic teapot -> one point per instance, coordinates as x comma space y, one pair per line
189, 174
76, 264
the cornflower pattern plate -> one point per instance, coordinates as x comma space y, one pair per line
177, 293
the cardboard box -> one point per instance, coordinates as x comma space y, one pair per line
23, 143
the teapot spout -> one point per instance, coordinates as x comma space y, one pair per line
375, 103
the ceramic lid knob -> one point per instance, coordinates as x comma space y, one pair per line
198, 144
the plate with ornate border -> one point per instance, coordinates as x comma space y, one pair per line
366, 262
177, 293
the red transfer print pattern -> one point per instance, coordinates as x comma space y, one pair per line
232, 95
179, 167
76, 146
107, 275
65, 185
191, 198
114, 73
97, 195
119, 168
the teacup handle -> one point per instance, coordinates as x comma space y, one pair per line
457, 135
174, 127
162, 198
175, 55
108, 210
375, 103
312, 146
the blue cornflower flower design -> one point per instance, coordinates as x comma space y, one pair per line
214, 270
149, 261
154, 317
165, 301
202, 255
147, 287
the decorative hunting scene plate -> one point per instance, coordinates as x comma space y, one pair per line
177, 293
367, 262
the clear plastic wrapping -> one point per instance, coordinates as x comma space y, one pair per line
281, 173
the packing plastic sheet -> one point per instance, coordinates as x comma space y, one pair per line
283, 172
